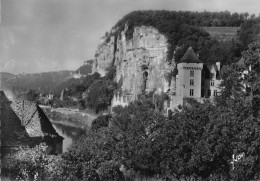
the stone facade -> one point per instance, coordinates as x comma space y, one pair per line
122, 100
194, 80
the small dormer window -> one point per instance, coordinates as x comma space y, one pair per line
192, 73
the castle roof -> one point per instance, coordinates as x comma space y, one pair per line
190, 57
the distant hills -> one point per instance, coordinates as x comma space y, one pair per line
45, 82
5, 76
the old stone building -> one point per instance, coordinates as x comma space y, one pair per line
192, 79
24, 124
142, 66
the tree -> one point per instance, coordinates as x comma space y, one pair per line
134, 129
100, 94
252, 78
248, 32
27, 164
100, 121
240, 105
91, 158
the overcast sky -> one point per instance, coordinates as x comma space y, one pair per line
47, 35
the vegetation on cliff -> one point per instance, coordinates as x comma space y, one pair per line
91, 92
182, 32
86, 68
182, 29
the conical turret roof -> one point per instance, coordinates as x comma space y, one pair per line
190, 57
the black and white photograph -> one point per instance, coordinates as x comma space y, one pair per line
130, 90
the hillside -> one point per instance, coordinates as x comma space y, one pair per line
222, 33
44, 82
179, 27
4, 76
86, 68
145, 46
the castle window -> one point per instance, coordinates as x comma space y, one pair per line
212, 75
191, 92
215, 93
211, 83
202, 92
209, 92
192, 73
191, 82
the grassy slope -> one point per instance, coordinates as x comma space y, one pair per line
218, 31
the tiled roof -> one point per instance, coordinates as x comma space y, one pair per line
33, 119
12, 132
23, 123
190, 57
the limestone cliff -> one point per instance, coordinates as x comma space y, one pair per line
141, 62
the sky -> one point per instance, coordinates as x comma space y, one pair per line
51, 35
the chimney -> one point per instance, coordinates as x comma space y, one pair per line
218, 65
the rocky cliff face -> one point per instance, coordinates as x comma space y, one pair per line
141, 63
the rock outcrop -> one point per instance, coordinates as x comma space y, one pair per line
141, 62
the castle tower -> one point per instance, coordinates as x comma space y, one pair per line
188, 80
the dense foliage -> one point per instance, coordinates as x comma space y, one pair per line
181, 28
26, 164
199, 19
92, 92
100, 122
249, 32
